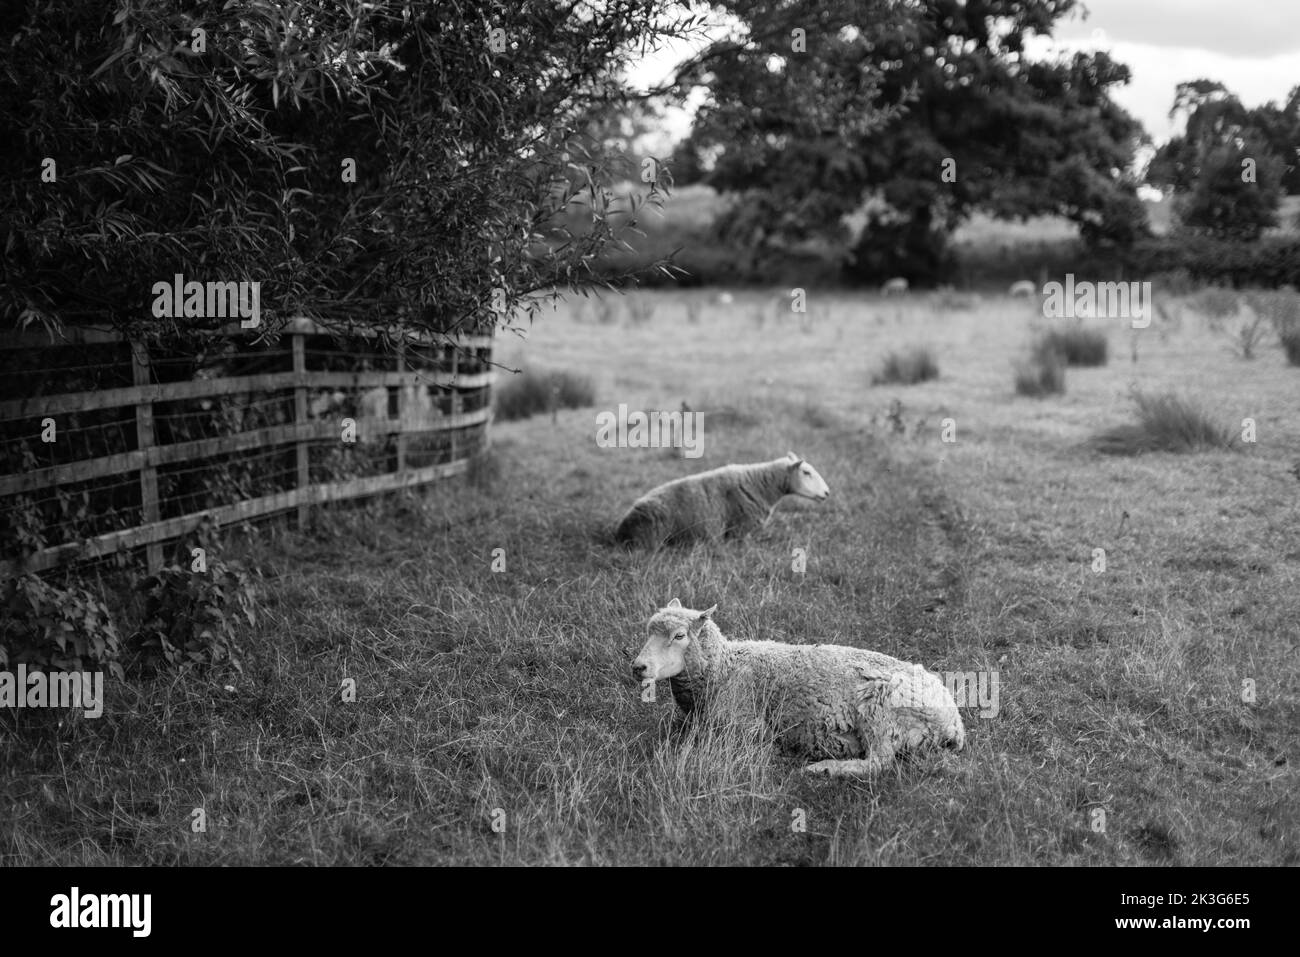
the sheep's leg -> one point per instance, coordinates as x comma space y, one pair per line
858, 768
877, 732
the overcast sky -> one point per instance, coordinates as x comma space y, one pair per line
1251, 46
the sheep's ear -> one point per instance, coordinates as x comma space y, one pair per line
792, 457
674, 604
697, 624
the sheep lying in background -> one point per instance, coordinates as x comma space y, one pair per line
373, 403
417, 407
1023, 287
854, 709
723, 502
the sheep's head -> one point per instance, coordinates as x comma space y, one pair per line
803, 480
669, 634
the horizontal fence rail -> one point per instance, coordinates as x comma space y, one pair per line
173, 391
286, 439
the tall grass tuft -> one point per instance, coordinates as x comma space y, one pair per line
907, 367
1217, 305
1290, 339
1043, 373
529, 393
1282, 310
1076, 346
1165, 423
639, 309
605, 310
1248, 334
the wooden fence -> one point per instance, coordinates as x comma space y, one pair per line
283, 440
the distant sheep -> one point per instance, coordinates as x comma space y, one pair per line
373, 403
1023, 288
324, 403
896, 285
723, 502
417, 407
854, 709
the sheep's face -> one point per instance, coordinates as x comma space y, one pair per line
805, 481
669, 635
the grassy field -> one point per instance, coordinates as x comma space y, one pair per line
504, 697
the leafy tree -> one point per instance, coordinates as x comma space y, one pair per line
1215, 118
1281, 129
1211, 114
218, 141
904, 92
1228, 203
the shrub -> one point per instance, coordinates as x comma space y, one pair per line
57, 629
1174, 282
907, 368
1282, 310
1272, 261
531, 393
1226, 206
1043, 373
1166, 423
1216, 305
193, 608
1076, 346
1290, 339
1247, 335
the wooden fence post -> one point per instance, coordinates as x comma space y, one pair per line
152, 532
300, 418
456, 402
144, 440
403, 408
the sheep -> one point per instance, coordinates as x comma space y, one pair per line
373, 403
325, 403
855, 710
896, 285
417, 407
1023, 287
721, 503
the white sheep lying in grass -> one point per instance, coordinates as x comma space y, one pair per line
723, 502
854, 709
1023, 287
